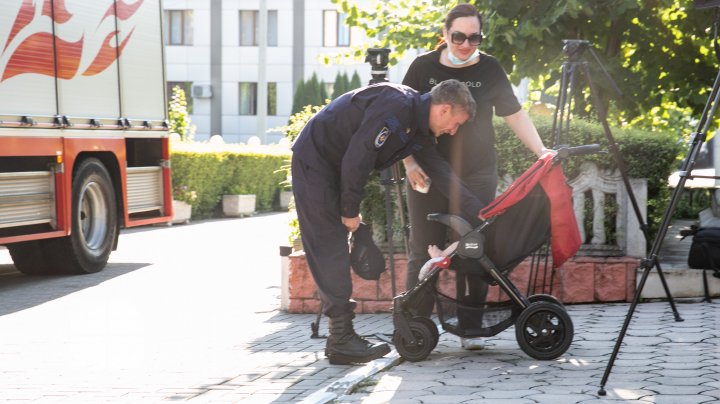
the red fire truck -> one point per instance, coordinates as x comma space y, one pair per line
83, 129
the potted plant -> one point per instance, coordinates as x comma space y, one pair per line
236, 203
183, 197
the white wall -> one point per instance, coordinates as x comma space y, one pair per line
240, 64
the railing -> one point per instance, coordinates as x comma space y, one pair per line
603, 193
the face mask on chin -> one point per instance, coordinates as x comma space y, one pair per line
456, 61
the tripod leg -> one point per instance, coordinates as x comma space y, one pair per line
387, 179
315, 326
620, 163
399, 181
667, 293
628, 317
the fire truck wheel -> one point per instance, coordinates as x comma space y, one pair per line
94, 222
28, 257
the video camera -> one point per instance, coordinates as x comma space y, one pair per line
574, 48
378, 59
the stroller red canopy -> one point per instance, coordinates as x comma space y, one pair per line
564, 231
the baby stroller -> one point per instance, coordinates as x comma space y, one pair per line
535, 207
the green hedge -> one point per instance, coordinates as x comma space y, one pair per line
214, 174
650, 155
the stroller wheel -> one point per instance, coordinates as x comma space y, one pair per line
432, 326
425, 340
545, 298
544, 330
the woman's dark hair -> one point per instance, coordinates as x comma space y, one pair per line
462, 10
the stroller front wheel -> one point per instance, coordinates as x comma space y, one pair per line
425, 335
544, 330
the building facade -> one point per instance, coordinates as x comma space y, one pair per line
239, 61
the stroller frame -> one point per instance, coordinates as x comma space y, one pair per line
544, 330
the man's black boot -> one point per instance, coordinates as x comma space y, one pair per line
344, 346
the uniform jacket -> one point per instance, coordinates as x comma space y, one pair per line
372, 128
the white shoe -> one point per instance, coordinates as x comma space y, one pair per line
472, 344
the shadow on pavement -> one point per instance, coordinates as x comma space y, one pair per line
19, 292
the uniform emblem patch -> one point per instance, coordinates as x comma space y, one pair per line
382, 137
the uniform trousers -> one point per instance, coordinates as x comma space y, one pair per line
325, 239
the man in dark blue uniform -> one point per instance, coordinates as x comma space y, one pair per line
369, 128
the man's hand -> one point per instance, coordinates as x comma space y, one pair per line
351, 223
414, 173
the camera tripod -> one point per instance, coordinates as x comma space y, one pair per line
390, 177
651, 259
574, 50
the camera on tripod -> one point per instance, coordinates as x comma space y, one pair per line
701, 4
378, 59
574, 48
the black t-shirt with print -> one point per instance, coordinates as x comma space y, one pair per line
472, 149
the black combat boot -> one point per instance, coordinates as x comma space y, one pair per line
344, 346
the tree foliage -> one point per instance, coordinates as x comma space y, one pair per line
309, 92
341, 85
658, 51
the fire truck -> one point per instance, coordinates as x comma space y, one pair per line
83, 129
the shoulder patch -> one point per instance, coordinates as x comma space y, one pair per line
382, 137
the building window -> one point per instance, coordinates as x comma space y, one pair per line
249, 25
186, 86
335, 30
248, 98
178, 27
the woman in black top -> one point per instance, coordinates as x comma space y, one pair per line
471, 152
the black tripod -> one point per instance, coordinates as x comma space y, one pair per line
390, 177
698, 138
574, 50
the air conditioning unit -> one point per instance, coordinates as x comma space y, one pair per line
201, 91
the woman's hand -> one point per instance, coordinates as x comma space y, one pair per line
544, 150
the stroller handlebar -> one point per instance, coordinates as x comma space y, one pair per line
564, 152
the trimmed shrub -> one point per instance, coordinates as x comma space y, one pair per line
214, 173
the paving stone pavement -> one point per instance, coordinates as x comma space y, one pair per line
661, 361
214, 335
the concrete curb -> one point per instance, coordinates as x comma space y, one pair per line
346, 384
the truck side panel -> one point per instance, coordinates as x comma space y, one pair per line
141, 65
85, 60
26, 45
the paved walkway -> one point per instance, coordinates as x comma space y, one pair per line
199, 341
662, 361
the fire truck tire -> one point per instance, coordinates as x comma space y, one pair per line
28, 257
94, 223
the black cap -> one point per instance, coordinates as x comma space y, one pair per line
366, 259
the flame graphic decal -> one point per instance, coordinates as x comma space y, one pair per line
35, 53
61, 13
107, 54
24, 17
124, 10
